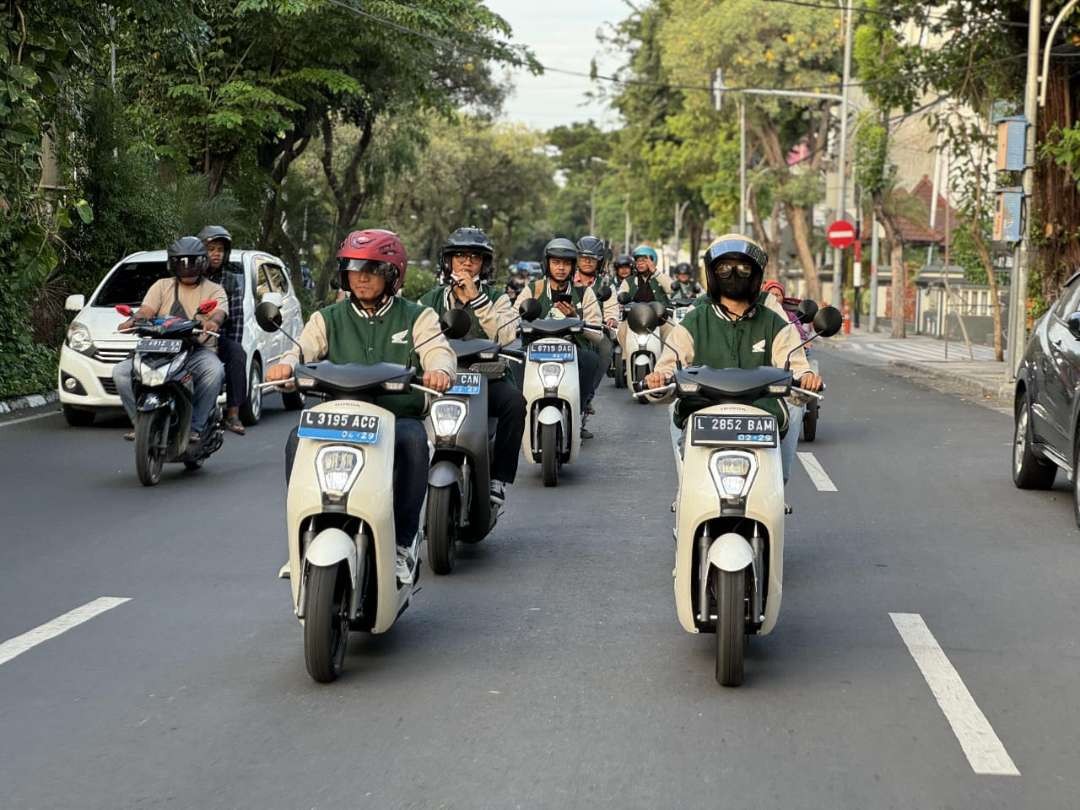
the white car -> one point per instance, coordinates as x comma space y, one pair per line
93, 347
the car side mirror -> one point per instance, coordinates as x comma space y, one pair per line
806, 310
455, 323
75, 303
642, 319
1073, 323
530, 309
623, 298
268, 316
827, 321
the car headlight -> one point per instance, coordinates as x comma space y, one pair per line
151, 376
551, 374
78, 338
447, 417
338, 468
732, 473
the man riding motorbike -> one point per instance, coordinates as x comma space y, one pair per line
218, 242
622, 267
733, 329
685, 285
374, 325
180, 297
559, 298
644, 285
592, 254
465, 269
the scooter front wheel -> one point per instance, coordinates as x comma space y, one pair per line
441, 529
810, 419
730, 627
326, 626
549, 454
149, 456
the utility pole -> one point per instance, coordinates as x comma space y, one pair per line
742, 166
873, 272
1022, 256
680, 209
841, 203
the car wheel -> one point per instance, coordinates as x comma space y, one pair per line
76, 417
1028, 470
251, 410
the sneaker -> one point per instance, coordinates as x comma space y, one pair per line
586, 434
498, 492
405, 565
129, 436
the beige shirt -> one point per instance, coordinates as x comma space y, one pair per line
590, 309
160, 298
435, 354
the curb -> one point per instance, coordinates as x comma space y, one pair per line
1000, 391
30, 401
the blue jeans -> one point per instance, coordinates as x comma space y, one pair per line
790, 443
207, 375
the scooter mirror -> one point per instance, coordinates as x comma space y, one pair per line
659, 309
207, 306
268, 316
455, 323
623, 298
827, 321
124, 310
642, 319
604, 294
806, 310
530, 309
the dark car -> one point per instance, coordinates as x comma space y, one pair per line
1047, 404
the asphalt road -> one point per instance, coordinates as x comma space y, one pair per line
549, 670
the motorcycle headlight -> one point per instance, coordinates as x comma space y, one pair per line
338, 468
78, 338
447, 417
643, 340
551, 374
732, 473
151, 376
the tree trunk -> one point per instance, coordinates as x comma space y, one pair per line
800, 232
898, 284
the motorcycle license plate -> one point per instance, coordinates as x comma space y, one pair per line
325, 426
466, 385
551, 352
159, 346
758, 431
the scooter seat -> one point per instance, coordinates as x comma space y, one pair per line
468, 350
552, 327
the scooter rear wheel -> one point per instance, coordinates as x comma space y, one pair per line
148, 455
549, 454
326, 628
730, 627
441, 530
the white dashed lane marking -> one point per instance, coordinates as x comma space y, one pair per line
16, 646
816, 472
976, 736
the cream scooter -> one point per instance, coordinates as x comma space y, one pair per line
340, 508
641, 350
729, 514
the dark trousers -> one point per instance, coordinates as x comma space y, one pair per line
234, 357
506, 404
588, 362
410, 475
604, 351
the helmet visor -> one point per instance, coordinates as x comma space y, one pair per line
187, 266
727, 268
369, 266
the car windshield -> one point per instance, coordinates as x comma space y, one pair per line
129, 283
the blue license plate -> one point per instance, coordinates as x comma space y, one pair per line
467, 384
351, 428
551, 352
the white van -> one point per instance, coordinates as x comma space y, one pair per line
93, 347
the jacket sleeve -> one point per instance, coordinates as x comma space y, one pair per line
312, 340
435, 354
786, 340
498, 318
611, 308
678, 340
664, 280
590, 313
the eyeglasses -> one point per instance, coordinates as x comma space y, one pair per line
725, 270
467, 256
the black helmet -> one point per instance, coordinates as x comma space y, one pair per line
622, 260
216, 233
683, 269
187, 257
467, 239
735, 246
560, 248
593, 247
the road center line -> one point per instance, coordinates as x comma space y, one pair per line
61, 624
981, 745
816, 472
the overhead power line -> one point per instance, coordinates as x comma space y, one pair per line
879, 12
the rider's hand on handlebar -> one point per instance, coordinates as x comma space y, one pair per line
612, 323
810, 382
126, 324
279, 373
437, 380
211, 326
657, 379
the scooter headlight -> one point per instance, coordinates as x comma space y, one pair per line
150, 376
551, 374
447, 416
732, 473
338, 468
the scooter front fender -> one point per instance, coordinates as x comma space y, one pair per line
444, 474
329, 548
151, 402
730, 552
549, 415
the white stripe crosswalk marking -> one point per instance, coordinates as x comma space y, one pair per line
16, 646
981, 744
816, 472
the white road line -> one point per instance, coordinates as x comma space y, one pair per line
28, 418
816, 472
61, 624
981, 745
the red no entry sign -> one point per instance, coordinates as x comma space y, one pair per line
841, 234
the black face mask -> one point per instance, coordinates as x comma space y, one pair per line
736, 288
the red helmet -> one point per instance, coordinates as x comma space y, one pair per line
375, 251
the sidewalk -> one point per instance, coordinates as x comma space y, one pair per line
983, 376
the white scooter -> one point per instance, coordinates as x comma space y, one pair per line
340, 509
729, 515
641, 350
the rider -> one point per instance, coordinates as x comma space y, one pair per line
684, 285
644, 285
374, 325
465, 266
218, 242
556, 292
592, 254
622, 267
180, 297
733, 330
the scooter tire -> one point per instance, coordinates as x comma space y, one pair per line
730, 627
620, 376
810, 420
326, 628
292, 400
441, 529
549, 454
148, 461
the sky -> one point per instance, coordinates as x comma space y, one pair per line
561, 33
